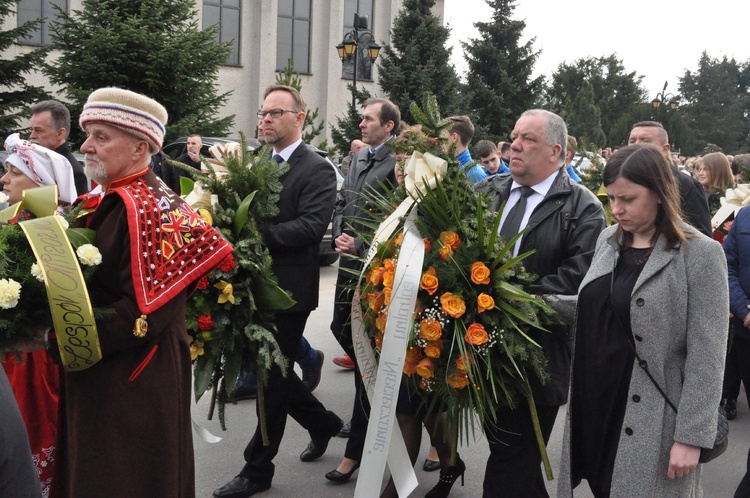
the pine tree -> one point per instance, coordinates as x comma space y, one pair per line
499, 82
17, 95
417, 60
584, 117
154, 47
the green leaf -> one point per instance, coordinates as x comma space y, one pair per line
270, 296
186, 185
241, 217
203, 373
80, 236
232, 366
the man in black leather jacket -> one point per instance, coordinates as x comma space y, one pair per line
562, 221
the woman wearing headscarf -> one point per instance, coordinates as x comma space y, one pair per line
34, 376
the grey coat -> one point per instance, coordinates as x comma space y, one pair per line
679, 316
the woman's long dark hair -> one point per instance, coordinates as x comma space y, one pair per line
647, 166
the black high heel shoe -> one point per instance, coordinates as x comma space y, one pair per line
340, 478
447, 479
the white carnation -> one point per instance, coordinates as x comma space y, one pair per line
3, 197
36, 272
10, 293
89, 255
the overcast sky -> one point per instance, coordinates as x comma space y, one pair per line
658, 39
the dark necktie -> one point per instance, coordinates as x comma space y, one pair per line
513, 221
278, 158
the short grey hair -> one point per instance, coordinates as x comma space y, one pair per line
60, 116
555, 131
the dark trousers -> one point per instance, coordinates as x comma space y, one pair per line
342, 330
737, 368
513, 468
286, 396
743, 490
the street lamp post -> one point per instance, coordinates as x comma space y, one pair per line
351, 43
664, 98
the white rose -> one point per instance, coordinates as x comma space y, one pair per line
36, 272
10, 293
3, 197
89, 255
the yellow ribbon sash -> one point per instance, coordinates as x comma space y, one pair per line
72, 314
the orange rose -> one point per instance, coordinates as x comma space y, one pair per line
480, 274
375, 300
427, 245
458, 380
399, 238
476, 335
388, 278
450, 239
429, 281
389, 264
380, 322
453, 305
376, 275
433, 349
461, 364
425, 368
485, 302
430, 329
387, 295
446, 252
413, 356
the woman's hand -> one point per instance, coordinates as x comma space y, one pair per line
682, 459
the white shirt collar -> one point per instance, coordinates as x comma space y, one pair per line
287, 152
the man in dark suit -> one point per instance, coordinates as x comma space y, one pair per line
293, 239
50, 127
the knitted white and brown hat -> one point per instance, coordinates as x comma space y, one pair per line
132, 112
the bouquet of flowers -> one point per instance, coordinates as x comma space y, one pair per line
468, 351
24, 304
230, 316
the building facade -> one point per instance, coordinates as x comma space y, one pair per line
265, 34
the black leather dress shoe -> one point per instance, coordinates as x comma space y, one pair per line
730, 408
318, 446
311, 376
241, 487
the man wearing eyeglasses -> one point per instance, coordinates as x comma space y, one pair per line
293, 238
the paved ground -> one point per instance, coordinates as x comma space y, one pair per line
218, 463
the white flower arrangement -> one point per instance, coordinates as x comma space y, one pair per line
89, 255
3, 197
10, 293
36, 272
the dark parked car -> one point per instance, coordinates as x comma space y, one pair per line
175, 149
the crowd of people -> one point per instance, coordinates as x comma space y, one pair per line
639, 354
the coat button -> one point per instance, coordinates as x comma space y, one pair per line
638, 338
640, 301
636, 398
628, 431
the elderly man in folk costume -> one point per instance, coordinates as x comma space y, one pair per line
126, 419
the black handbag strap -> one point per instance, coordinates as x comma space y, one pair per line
641, 362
